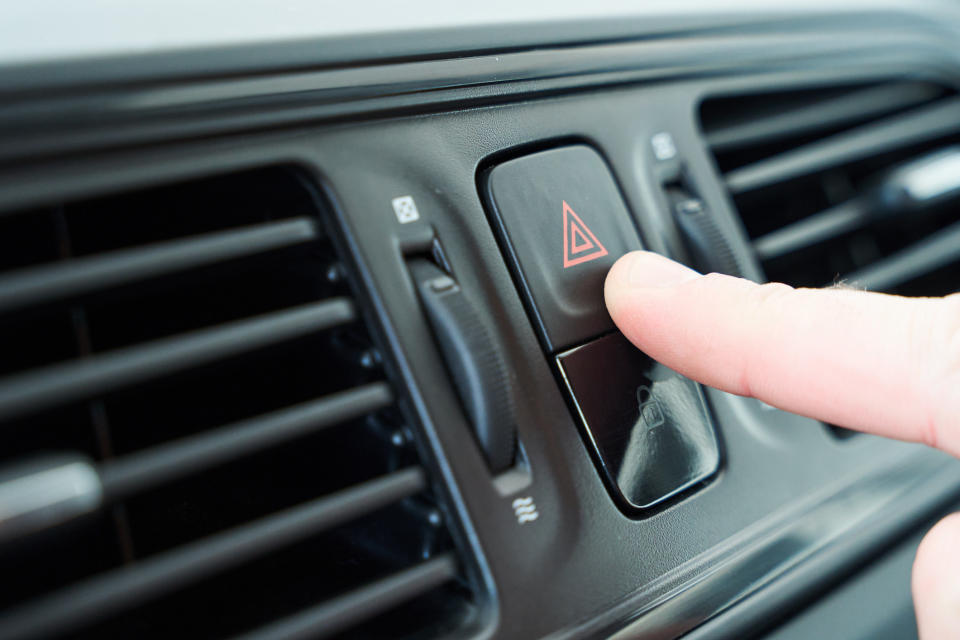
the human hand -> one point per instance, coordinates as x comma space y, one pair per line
884, 364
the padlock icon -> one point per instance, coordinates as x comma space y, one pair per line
650, 411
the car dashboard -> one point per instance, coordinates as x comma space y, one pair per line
304, 331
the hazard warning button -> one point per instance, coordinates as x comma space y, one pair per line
563, 223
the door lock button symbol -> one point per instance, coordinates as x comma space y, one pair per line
651, 413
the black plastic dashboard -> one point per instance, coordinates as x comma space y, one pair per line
788, 510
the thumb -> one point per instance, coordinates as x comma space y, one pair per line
936, 581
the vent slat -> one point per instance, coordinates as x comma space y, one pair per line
63, 383
114, 592
165, 463
346, 611
816, 228
83, 275
931, 253
918, 125
819, 115
46, 492
202, 431
852, 183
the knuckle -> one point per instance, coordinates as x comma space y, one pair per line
951, 378
951, 333
760, 308
934, 350
944, 353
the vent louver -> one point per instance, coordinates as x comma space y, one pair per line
198, 435
855, 184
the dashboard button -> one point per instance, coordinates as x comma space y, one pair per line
564, 224
649, 426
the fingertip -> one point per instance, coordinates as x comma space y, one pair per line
648, 269
616, 283
936, 590
638, 271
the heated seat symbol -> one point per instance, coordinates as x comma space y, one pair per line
579, 243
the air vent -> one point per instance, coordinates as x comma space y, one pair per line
853, 184
198, 433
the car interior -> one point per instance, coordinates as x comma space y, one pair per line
303, 329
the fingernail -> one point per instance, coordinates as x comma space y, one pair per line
647, 269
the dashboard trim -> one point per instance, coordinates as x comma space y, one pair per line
45, 122
764, 553
46, 128
132, 49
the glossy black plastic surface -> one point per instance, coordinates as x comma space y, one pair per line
649, 425
565, 224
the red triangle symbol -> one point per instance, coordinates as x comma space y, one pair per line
577, 238
580, 241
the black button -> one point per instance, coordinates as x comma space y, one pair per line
649, 425
565, 224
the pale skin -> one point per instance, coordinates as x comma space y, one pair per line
878, 363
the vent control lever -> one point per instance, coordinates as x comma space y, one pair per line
705, 241
474, 361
